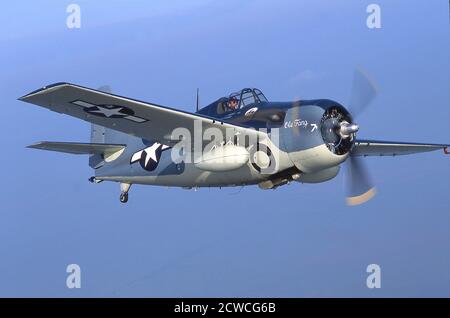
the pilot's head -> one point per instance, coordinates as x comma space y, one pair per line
233, 103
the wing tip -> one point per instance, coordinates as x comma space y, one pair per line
26, 97
36, 145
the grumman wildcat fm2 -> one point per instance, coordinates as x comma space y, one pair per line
242, 139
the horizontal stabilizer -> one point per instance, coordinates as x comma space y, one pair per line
390, 148
78, 148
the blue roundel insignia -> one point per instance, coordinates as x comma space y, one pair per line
149, 157
109, 111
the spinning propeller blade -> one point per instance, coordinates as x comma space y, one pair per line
359, 186
363, 92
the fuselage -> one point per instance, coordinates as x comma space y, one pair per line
299, 151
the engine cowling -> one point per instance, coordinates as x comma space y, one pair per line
318, 135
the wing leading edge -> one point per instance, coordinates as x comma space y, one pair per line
391, 148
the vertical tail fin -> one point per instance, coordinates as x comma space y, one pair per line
102, 135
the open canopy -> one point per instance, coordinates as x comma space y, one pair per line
235, 101
248, 96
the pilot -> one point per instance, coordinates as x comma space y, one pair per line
233, 103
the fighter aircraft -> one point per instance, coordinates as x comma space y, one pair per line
238, 140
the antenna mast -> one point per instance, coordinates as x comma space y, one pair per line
197, 103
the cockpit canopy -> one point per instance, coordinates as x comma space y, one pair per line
240, 99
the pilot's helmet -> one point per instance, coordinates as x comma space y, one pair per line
233, 100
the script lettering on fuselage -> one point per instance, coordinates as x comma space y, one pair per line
296, 123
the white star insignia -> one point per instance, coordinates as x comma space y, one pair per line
150, 153
108, 112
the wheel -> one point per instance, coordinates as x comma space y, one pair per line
124, 197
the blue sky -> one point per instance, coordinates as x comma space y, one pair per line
296, 241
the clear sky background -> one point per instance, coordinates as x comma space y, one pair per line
296, 241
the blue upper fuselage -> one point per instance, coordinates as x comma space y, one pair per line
254, 110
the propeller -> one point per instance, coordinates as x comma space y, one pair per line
363, 92
359, 186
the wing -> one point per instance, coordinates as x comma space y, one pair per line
77, 148
390, 148
145, 120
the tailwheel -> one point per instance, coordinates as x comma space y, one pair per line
124, 197
124, 188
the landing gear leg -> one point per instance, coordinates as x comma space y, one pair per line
124, 188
